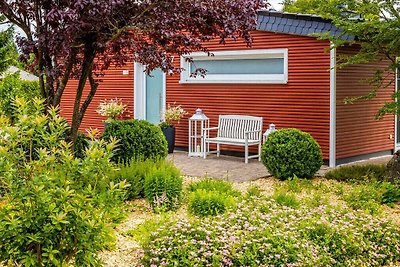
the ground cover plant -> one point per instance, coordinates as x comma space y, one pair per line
371, 187
262, 232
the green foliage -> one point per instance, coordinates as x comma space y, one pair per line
209, 203
56, 206
209, 184
371, 187
142, 232
365, 197
253, 191
318, 7
290, 152
135, 173
391, 194
138, 140
163, 187
10, 88
47, 223
81, 144
357, 173
286, 199
8, 50
260, 232
210, 197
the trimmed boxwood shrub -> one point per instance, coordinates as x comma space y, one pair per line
138, 140
291, 152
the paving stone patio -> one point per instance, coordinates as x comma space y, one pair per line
233, 168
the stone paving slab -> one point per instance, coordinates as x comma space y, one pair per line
233, 168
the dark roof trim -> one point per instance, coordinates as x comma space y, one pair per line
297, 24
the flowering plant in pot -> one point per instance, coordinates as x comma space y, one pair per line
112, 109
172, 114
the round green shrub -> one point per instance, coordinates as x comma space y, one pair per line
291, 152
163, 187
138, 140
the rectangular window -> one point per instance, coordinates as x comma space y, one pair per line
241, 66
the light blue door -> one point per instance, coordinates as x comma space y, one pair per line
154, 87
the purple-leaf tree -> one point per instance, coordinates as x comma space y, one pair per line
78, 39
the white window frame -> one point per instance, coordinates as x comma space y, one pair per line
236, 78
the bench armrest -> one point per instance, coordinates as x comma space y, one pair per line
246, 134
210, 128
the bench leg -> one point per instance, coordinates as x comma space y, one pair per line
259, 151
246, 154
218, 151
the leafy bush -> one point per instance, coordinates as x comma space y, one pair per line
56, 206
138, 140
391, 194
163, 187
358, 173
209, 184
211, 197
289, 152
11, 87
47, 223
262, 233
206, 203
135, 173
81, 144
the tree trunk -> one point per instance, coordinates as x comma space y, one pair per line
393, 168
77, 115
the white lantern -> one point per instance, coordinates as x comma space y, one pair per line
197, 123
270, 129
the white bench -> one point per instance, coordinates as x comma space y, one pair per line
235, 130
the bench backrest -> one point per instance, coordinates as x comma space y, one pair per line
234, 126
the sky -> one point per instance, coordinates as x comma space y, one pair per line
276, 4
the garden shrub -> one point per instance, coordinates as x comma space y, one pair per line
81, 144
11, 87
262, 233
138, 140
163, 187
209, 203
56, 206
358, 173
211, 197
47, 223
135, 173
289, 152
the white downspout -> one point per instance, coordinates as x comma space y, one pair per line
332, 113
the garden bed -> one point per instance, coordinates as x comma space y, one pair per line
290, 197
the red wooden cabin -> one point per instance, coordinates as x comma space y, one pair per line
287, 77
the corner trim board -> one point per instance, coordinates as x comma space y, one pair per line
332, 112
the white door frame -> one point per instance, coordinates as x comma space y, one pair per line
396, 84
139, 92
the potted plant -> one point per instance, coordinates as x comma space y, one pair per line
111, 109
171, 115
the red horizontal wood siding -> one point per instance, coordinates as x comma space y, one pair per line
302, 103
357, 131
113, 85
